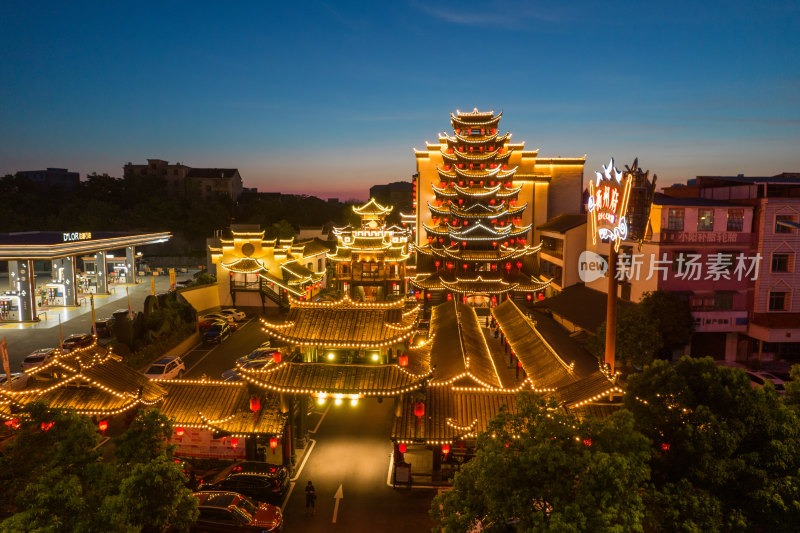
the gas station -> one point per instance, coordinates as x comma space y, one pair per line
63, 250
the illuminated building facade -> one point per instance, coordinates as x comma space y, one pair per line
479, 196
370, 261
253, 271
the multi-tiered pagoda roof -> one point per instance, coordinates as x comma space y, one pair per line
477, 242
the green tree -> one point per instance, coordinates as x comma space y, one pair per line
551, 472
145, 439
55, 475
638, 339
672, 318
793, 388
726, 456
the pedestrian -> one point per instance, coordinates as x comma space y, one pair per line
311, 497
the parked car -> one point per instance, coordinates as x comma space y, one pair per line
166, 368
38, 357
757, 379
233, 374
229, 511
78, 340
217, 332
259, 354
234, 313
17, 382
103, 327
204, 323
261, 481
218, 316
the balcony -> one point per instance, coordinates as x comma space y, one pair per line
719, 321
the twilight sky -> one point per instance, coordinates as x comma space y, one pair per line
329, 98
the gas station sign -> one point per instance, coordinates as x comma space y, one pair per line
76, 236
608, 205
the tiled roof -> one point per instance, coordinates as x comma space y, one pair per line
336, 378
542, 365
343, 323
581, 305
221, 406
449, 415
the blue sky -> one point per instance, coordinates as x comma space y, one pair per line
329, 98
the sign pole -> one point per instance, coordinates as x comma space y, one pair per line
611, 307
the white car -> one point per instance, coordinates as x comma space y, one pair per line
38, 357
166, 368
233, 313
17, 382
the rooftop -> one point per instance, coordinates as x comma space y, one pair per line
563, 223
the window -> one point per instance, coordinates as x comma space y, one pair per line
675, 219
319, 265
778, 301
705, 220
735, 219
780, 263
781, 228
723, 301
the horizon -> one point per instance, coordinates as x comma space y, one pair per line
329, 100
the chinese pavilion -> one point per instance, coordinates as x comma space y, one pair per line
484, 194
253, 271
370, 260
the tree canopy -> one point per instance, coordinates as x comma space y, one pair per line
727, 455
548, 471
54, 480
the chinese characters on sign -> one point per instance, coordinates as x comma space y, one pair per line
689, 267
699, 236
608, 204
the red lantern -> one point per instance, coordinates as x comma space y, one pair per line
464, 298
13, 423
494, 243
179, 432
463, 243
273, 443
449, 297
529, 297
491, 201
465, 266
587, 442
417, 295
419, 409
460, 201
519, 264
47, 425
445, 449
541, 296
234, 442
437, 263
427, 295
519, 364
277, 357
255, 404
466, 223
401, 447
508, 266
665, 446
103, 425
402, 360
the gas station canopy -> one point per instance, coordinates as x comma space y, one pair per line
45, 245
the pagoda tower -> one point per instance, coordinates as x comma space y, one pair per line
475, 245
370, 260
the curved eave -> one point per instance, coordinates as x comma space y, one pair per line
444, 192
492, 122
477, 191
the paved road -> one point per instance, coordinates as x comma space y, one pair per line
352, 450
24, 338
213, 360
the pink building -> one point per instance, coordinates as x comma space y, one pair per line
773, 329
699, 249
